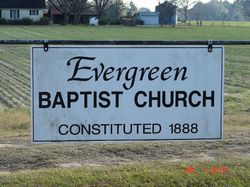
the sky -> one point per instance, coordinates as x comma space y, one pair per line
152, 3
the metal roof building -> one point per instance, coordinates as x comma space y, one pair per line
149, 18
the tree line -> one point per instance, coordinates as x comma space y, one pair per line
105, 10
239, 10
113, 11
221, 10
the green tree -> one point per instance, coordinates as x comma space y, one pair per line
196, 11
236, 11
100, 7
64, 7
144, 9
131, 9
213, 10
185, 5
115, 11
79, 6
246, 4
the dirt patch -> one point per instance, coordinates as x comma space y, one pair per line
70, 165
205, 157
19, 154
10, 146
4, 172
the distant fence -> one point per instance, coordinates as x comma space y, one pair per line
130, 42
46, 43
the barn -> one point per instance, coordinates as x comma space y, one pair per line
167, 13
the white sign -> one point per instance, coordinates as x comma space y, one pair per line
125, 93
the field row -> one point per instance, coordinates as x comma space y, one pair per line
15, 77
81, 32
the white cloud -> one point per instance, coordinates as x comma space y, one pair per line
145, 3
152, 3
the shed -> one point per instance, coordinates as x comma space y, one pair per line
149, 18
94, 21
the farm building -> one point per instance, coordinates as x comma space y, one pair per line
149, 18
19, 9
167, 13
57, 17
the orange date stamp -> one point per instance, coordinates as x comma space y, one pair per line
208, 170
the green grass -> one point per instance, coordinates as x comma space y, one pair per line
220, 23
237, 79
125, 33
150, 174
14, 122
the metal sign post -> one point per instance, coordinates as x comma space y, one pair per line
127, 93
